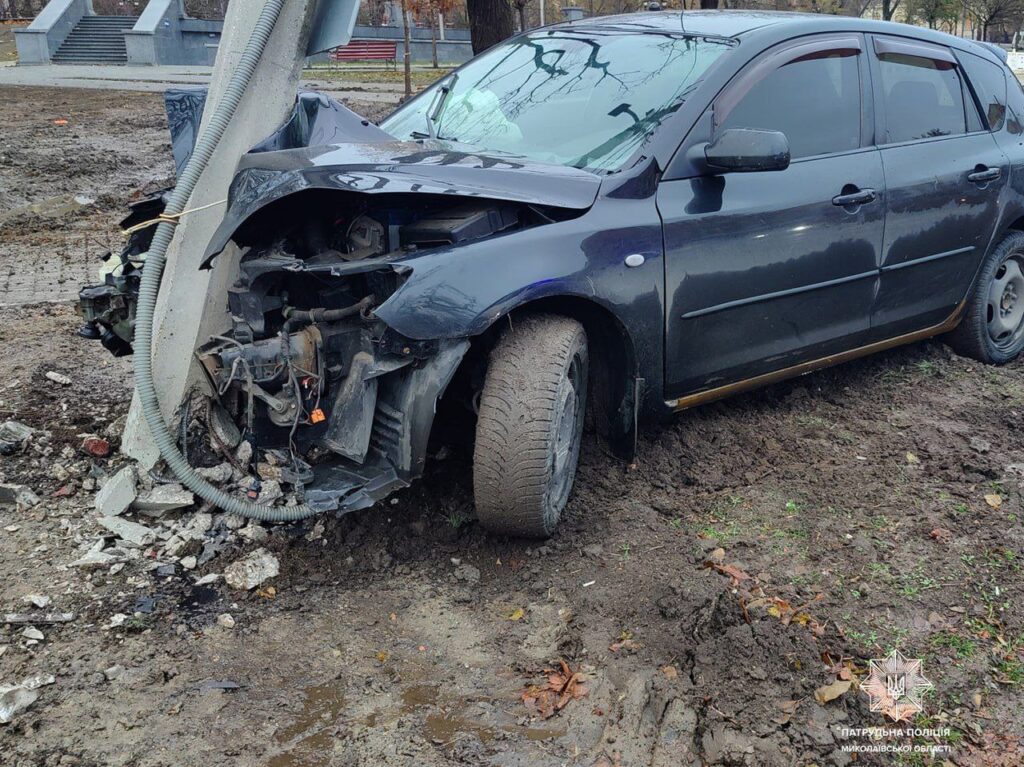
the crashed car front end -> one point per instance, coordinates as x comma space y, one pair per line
309, 370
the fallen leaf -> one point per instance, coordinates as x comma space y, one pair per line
562, 686
911, 458
516, 615
994, 500
786, 710
832, 691
718, 555
267, 592
737, 575
670, 672
941, 534
382, 656
629, 645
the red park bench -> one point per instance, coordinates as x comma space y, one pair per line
367, 50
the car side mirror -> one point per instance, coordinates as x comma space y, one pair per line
746, 150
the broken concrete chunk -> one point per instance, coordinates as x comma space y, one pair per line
37, 600
196, 527
270, 492
244, 453
250, 572
126, 530
118, 492
14, 699
33, 633
17, 495
220, 473
114, 673
38, 618
13, 436
254, 532
58, 378
163, 498
226, 620
230, 521
97, 557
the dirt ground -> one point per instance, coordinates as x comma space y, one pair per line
758, 550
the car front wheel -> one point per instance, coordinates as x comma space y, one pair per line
530, 425
992, 328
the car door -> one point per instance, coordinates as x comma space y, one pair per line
768, 270
943, 171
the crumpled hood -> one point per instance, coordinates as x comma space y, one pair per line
368, 160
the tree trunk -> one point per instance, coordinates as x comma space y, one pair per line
490, 22
521, 8
708, 4
406, 49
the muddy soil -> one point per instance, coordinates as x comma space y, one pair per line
757, 550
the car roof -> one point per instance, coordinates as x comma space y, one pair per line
738, 24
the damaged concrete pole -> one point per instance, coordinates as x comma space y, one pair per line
193, 303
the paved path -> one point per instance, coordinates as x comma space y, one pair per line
158, 79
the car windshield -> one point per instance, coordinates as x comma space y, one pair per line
587, 100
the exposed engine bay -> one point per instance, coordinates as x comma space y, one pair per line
307, 370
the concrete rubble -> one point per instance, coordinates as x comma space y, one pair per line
117, 493
16, 698
19, 496
128, 531
14, 436
163, 498
252, 571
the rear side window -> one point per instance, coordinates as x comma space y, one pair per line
814, 100
923, 98
989, 83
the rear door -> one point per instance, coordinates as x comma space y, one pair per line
767, 270
943, 175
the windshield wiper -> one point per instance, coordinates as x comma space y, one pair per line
434, 112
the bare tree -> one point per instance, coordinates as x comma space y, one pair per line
987, 13
932, 12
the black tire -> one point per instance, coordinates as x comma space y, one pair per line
526, 451
992, 328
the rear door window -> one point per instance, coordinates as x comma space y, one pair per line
922, 97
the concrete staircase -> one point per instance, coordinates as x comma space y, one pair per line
96, 40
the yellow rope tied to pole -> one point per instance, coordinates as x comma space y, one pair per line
167, 218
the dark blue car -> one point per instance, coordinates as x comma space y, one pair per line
622, 216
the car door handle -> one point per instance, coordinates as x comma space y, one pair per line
983, 175
860, 197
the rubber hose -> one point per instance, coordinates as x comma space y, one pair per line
152, 273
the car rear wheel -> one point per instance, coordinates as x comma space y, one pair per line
992, 329
530, 425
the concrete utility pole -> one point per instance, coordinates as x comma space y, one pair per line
193, 303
